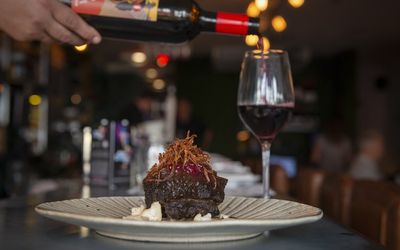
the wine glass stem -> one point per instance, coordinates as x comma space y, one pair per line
265, 147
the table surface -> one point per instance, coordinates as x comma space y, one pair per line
22, 228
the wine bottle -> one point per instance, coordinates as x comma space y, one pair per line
171, 21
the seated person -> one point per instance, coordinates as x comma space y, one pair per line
332, 149
371, 151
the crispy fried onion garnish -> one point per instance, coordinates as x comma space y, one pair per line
182, 152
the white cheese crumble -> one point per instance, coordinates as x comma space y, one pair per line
223, 216
154, 214
206, 217
151, 214
137, 211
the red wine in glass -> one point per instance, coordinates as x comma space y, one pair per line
260, 44
265, 98
265, 121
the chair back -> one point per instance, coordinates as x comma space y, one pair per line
279, 180
336, 197
308, 186
374, 205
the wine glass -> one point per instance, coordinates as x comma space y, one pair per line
265, 99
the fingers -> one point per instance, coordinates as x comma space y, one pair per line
62, 34
66, 17
47, 39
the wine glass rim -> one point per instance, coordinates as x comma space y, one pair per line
267, 53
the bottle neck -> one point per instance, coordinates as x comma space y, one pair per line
229, 23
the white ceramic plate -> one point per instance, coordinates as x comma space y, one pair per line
249, 217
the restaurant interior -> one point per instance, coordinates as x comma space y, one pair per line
66, 113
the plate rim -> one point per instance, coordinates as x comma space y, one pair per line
180, 224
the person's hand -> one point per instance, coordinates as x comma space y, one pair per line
45, 20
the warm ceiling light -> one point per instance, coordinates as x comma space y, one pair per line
81, 48
243, 136
76, 99
252, 10
296, 3
251, 40
138, 57
261, 4
266, 43
159, 84
35, 100
279, 23
151, 73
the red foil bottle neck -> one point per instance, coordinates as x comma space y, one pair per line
230, 23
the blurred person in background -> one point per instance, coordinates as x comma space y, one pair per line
332, 150
186, 121
46, 21
139, 110
371, 151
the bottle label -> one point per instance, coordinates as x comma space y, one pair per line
230, 23
129, 9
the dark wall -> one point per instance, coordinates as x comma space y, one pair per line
111, 92
213, 95
336, 89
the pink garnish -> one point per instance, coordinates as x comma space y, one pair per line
188, 168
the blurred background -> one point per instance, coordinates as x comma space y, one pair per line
345, 63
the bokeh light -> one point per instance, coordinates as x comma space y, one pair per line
296, 3
81, 48
261, 4
251, 40
279, 23
243, 136
159, 84
151, 73
162, 60
252, 10
138, 57
266, 43
76, 99
35, 100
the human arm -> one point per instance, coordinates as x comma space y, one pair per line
46, 21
